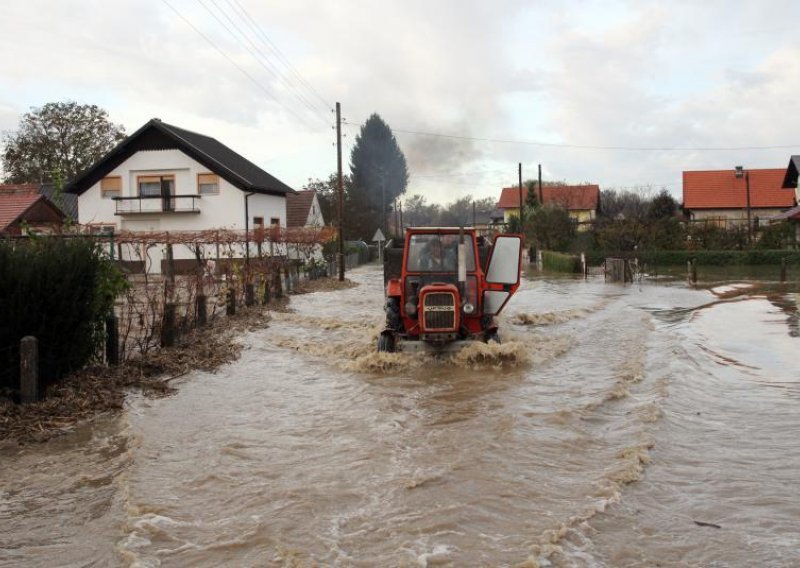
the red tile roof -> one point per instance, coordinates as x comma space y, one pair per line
572, 197
721, 189
298, 206
14, 205
19, 188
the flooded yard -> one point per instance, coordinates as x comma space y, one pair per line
642, 425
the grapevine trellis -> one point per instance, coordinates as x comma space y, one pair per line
244, 267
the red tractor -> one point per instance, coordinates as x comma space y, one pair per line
445, 285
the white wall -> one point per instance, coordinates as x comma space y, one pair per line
224, 210
315, 218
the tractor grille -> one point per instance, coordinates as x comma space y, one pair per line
439, 311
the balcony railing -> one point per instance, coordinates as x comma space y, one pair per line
157, 204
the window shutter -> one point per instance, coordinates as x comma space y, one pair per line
111, 184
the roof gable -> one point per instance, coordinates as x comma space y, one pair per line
218, 158
298, 207
721, 189
792, 172
26, 206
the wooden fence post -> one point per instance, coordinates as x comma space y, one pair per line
29, 369
170, 265
168, 325
112, 340
231, 305
277, 289
202, 310
266, 298
249, 295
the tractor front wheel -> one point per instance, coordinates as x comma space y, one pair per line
386, 342
492, 336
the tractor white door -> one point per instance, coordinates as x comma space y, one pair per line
505, 261
502, 274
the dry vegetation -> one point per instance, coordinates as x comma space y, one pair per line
100, 389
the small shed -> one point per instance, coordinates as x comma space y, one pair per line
31, 209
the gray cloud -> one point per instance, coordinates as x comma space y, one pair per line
644, 74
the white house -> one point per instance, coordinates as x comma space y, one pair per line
165, 178
303, 210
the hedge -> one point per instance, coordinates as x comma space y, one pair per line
60, 291
704, 257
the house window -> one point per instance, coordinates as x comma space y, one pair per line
258, 222
151, 186
101, 229
207, 184
274, 221
111, 187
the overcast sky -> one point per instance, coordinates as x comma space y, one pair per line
622, 94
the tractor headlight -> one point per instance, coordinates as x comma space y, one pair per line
411, 308
468, 308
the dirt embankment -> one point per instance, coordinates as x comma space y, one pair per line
100, 389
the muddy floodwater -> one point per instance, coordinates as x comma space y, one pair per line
642, 425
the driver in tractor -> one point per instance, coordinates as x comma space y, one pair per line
437, 256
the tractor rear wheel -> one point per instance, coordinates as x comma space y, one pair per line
386, 342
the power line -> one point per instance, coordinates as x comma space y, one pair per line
232, 62
249, 50
590, 147
265, 38
273, 68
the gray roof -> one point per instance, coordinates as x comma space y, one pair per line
788, 214
218, 158
67, 202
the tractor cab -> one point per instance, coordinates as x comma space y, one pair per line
446, 284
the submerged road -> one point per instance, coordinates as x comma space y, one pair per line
647, 425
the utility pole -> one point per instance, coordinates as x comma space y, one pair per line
541, 192
402, 231
520, 195
339, 189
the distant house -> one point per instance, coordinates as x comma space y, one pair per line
164, 178
303, 210
580, 201
721, 197
22, 206
791, 180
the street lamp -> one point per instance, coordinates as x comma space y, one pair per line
740, 173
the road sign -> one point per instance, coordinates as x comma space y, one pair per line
378, 238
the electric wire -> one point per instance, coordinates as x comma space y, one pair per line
263, 60
232, 62
279, 54
590, 147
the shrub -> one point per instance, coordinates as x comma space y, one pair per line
560, 262
60, 291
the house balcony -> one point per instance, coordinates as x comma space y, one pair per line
150, 204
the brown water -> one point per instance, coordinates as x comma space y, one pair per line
610, 421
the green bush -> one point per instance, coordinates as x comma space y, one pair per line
60, 291
704, 257
560, 262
